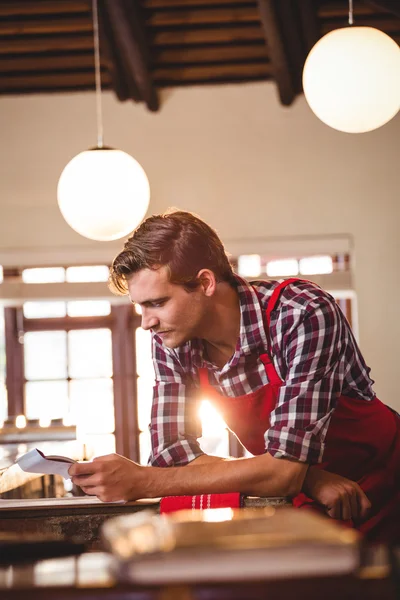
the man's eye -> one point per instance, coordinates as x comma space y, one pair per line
158, 304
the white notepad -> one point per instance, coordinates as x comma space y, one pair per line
36, 462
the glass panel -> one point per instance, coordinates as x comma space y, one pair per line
278, 268
145, 399
44, 310
215, 445
88, 308
3, 391
90, 353
215, 437
3, 403
99, 445
45, 355
46, 400
82, 274
20, 421
144, 362
316, 265
92, 406
45, 275
249, 265
144, 447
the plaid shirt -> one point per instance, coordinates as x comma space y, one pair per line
314, 353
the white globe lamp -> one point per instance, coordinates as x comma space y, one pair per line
103, 193
351, 79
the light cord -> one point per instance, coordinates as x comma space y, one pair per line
99, 108
351, 17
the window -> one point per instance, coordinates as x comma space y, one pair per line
68, 373
3, 390
77, 274
332, 272
145, 383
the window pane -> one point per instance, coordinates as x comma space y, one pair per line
144, 362
144, 447
88, 308
45, 354
3, 391
46, 275
145, 399
316, 265
90, 353
249, 265
92, 406
44, 310
278, 268
99, 445
46, 399
96, 273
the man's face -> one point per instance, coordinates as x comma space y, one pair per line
167, 308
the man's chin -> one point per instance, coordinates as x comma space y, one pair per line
172, 341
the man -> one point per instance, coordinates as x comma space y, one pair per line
280, 363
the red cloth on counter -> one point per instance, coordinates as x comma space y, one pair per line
171, 504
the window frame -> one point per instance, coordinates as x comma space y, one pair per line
122, 321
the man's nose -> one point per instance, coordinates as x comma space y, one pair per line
149, 321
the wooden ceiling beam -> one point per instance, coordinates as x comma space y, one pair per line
130, 44
309, 24
291, 29
14, 8
209, 54
67, 62
388, 25
74, 25
390, 6
168, 4
269, 13
341, 9
50, 80
230, 35
124, 86
63, 89
233, 15
211, 73
46, 44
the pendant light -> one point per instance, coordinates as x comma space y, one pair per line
103, 193
351, 78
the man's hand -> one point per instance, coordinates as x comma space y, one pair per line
341, 497
110, 478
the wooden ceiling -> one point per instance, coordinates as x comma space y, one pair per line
47, 45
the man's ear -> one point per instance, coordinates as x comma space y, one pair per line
207, 281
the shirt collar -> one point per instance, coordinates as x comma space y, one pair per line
252, 331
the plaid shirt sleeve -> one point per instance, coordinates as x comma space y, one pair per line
313, 343
174, 425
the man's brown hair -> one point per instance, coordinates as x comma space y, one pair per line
176, 239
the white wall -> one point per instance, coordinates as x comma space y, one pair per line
236, 157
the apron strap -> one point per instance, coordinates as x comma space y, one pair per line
203, 377
275, 297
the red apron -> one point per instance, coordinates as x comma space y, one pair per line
362, 442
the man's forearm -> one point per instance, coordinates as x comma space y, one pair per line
258, 476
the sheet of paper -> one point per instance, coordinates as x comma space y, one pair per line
35, 462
